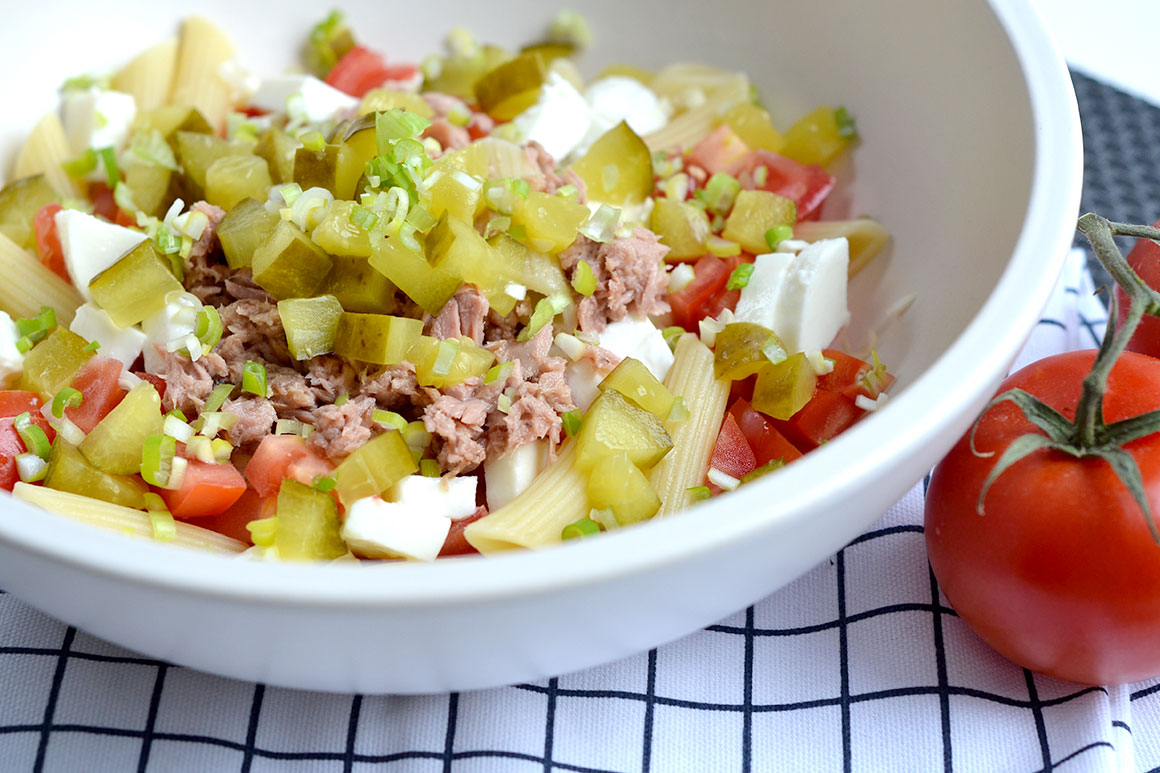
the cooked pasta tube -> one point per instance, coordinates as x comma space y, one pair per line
203, 49
691, 377
691, 127
45, 150
28, 284
149, 75
866, 237
122, 519
557, 497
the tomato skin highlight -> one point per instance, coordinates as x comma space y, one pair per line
1061, 573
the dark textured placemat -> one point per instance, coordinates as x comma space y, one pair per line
1121, 148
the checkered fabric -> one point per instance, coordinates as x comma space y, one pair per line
858, 665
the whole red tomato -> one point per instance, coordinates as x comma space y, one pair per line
1061, 573
1145, 259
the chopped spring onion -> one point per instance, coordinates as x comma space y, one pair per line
820, 363
254, 378
583, 280
722, 480
222, 450
215, 421
448, 349
739, 279
363, 218
93, 345
324, 483
71, 433
719, 193
671, 334
108, 158
35, 441
262, 531
761, 176
572, 420
33, 329
164, 526
65, 398
846, 126
313, 141
519, 233
723, 248
123, 198
429, 468
497, 225
765, 469
200, 448
342, 399
177, 474
778, 234
504, 403
421, 218
874, 379
31, 467
773, 350
217, 398
389, 419
499, 372
681, 277
209, 328
289, 193
870, 403
711, 326
585, 527
328, 41
157, 458
601, 226
606, 518
177, 414
416, 436
679, 412
83, 165
396, 124
569, 191
572, 346
699, 493
501, 194
292, 427
177, 429
545, 311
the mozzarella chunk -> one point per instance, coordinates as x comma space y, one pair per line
560, 119
452, 498
90, 245
94, 324
640, 339
620, 98
375, 528
584, 381
173, 322
11, 358
313, 100
758, 301
509, 475
95, 118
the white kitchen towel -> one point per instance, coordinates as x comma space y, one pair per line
858, 665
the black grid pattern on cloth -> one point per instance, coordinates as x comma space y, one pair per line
70, 701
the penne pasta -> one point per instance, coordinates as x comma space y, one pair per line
203, 49
691, 377
692, 126
43, 153
28, 284
867, 237
557, 497
149, 76
122, 519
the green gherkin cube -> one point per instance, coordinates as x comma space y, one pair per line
310, 324
289, 265
245, 228
374, 468
376, 338
115, 444
359, 287
308, 525
52, 364
68, 470
135, 286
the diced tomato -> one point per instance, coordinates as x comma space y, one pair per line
456, 544
206, 489
402, 72
105, 205
846, 377
10, 446
719, 151
232, 522
283, 456
822, 419
100, 391
692, 304
732, 454
358, 71
808, 186
14, 402
765, 440
48, 241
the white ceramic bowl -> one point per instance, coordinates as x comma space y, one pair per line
970, 155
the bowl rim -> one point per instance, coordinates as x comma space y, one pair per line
1035, 264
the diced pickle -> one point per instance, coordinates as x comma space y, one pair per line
457, 248
744, 348
358, 286
288, 264
617, 169
507, 90
359, 144
68, 470
816, 138
51, 365
337, 235
319, 169
617, 484
136, 285
20, 200
683, 227
245, 228
426, 285
382, 100
538, 271
754, 126
468, 361
489, 158
308, 524
613, 424
456, 192
458, 74
278, 148
115, 444
153, 187
310, 324
637, 383
233, 178
376, 338
170, 119
374, 467
551, 222
782, 390
197, 152
754, 213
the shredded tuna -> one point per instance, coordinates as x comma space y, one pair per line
204, 274
390, 386
448, 135
463, 315
240, 286
630, 277
549, 179
256, 417
534, 413
532, 354
339, 430
329, 376
458, 427
253, 331
188, 383
601, 358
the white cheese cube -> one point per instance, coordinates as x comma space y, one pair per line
452, 498
375, 528
95, 118
509, 475
620, 98
313, 99
94, 324
758, 301
90, 245
560, 119
173, 322
811, 308
11, 359
640, 339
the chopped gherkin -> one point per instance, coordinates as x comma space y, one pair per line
358, 286
115, 444
374, 467
308, 524
640, 387
376, 338
244, 228
744, 348
288, 264
51, 364
617, 484
68, 470
135, 286
311, 325
613, 424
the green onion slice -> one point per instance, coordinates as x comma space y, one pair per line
448, 348
209, 327
585, 527
499, 372
765, 469
389, 419
699, 493
36, 328
217, 398
679, 412
35, 441
112, 172
739, 279
572, 420
846, 126
65, 398
157, 459
719, 193
325, 483
429, 468
778, 234
254, 378
583, 280
31, 467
